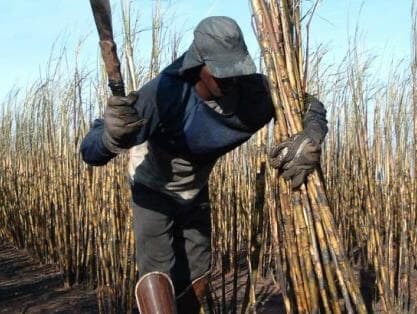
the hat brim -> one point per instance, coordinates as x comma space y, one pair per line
191, 59
238, 66
222, 67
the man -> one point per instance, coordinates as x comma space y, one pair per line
203, 105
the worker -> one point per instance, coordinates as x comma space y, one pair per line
203, 105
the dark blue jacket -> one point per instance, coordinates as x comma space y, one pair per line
179, 121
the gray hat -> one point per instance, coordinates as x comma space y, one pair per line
218, 43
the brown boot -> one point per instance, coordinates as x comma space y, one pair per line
155, 294
190, 300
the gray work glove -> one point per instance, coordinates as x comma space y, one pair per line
299, 155
121, 123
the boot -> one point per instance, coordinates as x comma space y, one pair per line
155, 294
191, 299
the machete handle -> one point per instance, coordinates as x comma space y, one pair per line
112, 64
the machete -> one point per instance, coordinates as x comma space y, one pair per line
102, 17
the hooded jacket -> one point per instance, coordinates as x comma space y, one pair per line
184, 135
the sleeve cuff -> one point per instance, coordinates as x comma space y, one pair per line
92, 149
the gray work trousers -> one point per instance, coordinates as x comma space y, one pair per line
171, 237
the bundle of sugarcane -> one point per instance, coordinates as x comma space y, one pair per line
318, 274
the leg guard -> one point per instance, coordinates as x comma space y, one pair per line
191, 299
155, 294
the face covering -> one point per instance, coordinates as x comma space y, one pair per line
229, 101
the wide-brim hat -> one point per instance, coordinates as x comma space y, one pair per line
218, 43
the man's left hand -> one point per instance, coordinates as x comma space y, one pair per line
296, 157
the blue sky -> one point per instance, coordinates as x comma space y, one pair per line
30, 28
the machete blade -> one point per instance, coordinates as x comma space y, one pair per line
102, 16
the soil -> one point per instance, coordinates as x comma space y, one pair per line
268, 296
29, 287
26, 286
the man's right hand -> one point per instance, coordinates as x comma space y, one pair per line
121, 123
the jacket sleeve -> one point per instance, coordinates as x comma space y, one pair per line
92, 148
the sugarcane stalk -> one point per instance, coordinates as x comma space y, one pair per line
279, 36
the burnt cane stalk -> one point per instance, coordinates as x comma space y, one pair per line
318, 269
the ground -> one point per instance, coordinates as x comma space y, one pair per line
28, 287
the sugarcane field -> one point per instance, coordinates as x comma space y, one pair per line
190, 157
